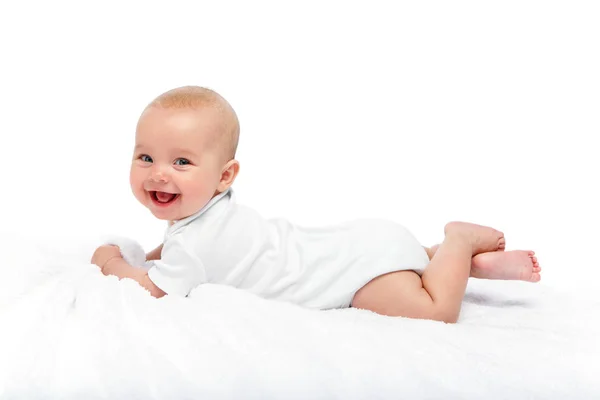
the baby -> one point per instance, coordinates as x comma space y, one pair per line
183, 169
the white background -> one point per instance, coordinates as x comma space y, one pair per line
421, 112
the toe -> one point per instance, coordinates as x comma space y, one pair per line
535, 277
534, 259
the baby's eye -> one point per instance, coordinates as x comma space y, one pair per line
145, 158
182, 161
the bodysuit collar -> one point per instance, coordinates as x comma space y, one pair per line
182, 222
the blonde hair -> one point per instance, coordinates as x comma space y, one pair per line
197, 97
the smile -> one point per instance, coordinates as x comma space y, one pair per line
163, 199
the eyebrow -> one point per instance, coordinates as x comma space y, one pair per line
184, 152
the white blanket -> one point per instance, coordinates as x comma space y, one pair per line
68, 332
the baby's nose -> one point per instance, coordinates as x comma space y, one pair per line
158, 175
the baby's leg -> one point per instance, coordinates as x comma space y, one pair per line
506, 265
439, 292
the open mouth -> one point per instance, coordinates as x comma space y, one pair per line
163, 199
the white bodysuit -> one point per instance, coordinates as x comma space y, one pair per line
321, 268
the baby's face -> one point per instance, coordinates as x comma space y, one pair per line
176, 166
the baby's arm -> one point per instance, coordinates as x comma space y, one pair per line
154, 254
121, 269
175, 270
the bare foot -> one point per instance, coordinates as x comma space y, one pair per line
508, 265
482, 238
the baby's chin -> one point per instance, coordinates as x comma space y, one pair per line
172, 212
171, 218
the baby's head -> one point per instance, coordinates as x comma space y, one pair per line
185, 145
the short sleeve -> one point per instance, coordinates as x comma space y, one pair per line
179, 270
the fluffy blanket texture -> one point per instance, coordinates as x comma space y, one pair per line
69, 332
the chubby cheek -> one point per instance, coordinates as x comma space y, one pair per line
136, 181
196, 194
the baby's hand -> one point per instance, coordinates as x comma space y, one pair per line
104, 254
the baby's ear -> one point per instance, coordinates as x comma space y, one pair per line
228, 175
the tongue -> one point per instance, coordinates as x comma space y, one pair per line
163, 197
